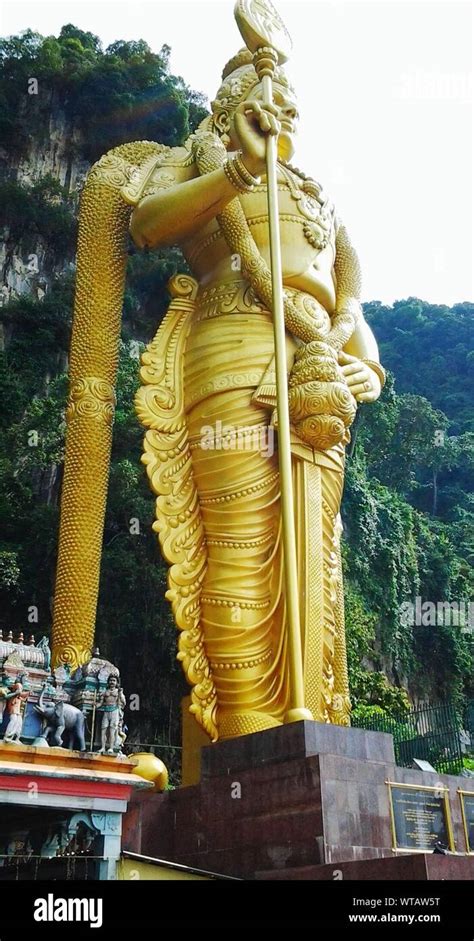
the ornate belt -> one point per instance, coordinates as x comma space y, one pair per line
239, 297
227, 298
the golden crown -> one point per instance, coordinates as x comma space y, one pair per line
243, 57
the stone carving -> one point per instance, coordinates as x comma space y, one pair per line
62, 717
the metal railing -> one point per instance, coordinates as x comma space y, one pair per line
469, 723
431, 733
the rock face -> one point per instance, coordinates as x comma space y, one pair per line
58, 155
55, 151
26, 272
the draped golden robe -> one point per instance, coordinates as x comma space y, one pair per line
231, 446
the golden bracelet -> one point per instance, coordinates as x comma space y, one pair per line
234, 177
245, 174
378, 369
237, 174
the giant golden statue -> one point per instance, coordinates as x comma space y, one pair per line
209, 402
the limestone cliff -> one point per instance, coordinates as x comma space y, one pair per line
27, 265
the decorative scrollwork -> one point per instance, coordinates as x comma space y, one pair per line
167, 457
91, 398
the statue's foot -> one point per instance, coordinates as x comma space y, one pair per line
233, 724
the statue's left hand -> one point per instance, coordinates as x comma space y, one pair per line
361, 379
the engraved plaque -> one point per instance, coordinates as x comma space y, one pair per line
420, 817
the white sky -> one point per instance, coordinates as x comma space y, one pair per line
385, 95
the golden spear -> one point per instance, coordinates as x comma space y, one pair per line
266, 36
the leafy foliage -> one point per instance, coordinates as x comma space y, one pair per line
44, 211
408, 505
429, 348
122, 94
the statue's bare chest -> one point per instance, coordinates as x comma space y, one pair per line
306, 215
307, 229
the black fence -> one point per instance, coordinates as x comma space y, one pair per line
469, 723
432, 734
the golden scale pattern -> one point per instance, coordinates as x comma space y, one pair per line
101, 262
331, 493
340, 708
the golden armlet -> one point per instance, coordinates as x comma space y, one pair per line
237, 173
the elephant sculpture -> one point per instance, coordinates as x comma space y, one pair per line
62, 717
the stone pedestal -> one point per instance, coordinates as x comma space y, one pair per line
419, 867
277, 802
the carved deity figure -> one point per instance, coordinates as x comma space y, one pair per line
4, 693
15, 697
111, 704
211, 367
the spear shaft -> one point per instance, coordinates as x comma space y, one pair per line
295, 658
259, 22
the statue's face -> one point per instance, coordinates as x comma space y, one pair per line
287, 115
112, 682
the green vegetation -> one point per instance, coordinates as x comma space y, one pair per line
44, 211
122, 94
408, 503
408, 506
